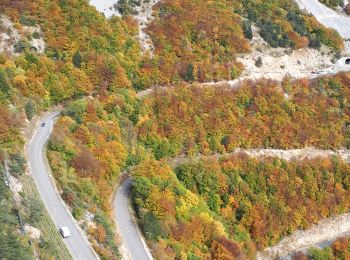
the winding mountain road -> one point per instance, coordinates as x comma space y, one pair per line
77, 244
123, 213
129, 230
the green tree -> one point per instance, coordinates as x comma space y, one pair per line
259, 62
77, 109
141, 188
319, 254
189, 75
30, 109
17, 164
5, 87
77, 59
247, 29
151, 226
36, 210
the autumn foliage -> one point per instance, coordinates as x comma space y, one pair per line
197, 40
87, 155
194, 119
207, 209
176, 221
257, 201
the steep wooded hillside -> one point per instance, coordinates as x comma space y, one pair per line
199, 40
228, 209
265, 114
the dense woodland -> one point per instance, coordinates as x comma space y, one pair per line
263, 114
93, 142
85, 55
207, 209
82, 45
99, 137
230, 208
199, 40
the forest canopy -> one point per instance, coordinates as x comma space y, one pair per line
230, 208
265, 114
199, 40
206, 209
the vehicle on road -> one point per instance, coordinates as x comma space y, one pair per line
64, 231
318, 72
77, 243
347, 61
43, 125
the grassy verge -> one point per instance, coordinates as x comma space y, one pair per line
51, 243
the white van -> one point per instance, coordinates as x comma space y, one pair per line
64, 232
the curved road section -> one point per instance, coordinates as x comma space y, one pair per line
77, 243
327, 16
129, 230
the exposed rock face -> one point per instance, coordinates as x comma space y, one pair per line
106, 7
318, 235
16, 187
33, 232
13, 39
9, 35
144, 17
37, 43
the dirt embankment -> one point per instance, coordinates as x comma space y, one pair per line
280, 62
289, 155
324, 232
12, 38
144, 17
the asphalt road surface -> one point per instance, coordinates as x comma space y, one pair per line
327, 16
129, 229
77, 244
330, 18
